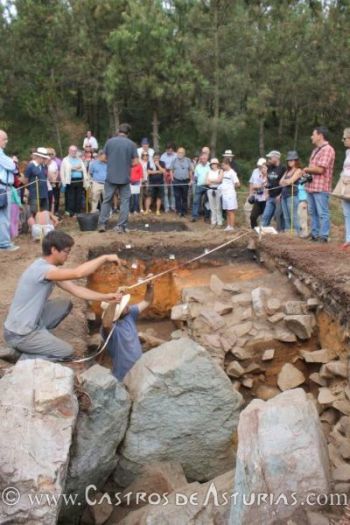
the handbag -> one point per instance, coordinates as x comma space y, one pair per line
3, 194
342, 189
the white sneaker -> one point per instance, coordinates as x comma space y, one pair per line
11, 248
228, 229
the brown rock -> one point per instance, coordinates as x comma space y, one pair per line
342, 473
232, 288
276, 318
295, 308
289, 377
234, 369
284, 335
180, 312
343, 405
212, 340
268, 354
216, 285
300, 325
344, 449
316, 378
226, 344
272, 306
240, 353
253, 368
247, 313
340, 488
248, 382
334, 368
212, 319
325, 396
243, 299
313, 303
266, 392
318, 356
222, 308
329, 415
259, 299
243, 328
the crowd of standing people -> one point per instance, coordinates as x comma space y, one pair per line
139, 180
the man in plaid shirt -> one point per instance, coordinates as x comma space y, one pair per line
321, 166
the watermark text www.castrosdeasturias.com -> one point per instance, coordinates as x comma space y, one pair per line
11, 496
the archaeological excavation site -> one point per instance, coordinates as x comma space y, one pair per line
237, 412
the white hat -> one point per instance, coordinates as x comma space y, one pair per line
214, 161
228, 153
261, 162
42, 152
120, 307
273, 153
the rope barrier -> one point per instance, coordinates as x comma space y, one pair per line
157, 276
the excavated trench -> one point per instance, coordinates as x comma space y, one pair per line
230, 265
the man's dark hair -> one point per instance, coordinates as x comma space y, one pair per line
322, 130
171, 145
56, 239
124, 128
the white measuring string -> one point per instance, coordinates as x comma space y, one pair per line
157, 276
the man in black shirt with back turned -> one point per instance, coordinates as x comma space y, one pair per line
273, 204
121, 153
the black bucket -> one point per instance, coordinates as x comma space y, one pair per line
88, 221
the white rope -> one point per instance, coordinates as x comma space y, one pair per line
157, 276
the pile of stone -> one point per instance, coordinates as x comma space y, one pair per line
233, 322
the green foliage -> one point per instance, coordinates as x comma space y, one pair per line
249, 75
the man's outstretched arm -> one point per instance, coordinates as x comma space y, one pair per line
89, 295
85, 269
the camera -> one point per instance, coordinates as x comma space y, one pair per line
251, 199
305, 178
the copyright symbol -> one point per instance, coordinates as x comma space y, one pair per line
10, 496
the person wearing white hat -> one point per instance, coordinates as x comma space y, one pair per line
124, 344
214, 179
228, 154
36, 176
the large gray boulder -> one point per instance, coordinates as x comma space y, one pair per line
281, 451
98, 433
184, 409
38, 410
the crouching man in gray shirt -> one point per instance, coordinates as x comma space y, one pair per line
32, 315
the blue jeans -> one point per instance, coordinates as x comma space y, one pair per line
5, 238
287, 213
346, 212
319, 213
106, 208
169, 198
197, 198
273, 208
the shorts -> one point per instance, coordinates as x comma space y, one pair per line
157, 192
229, 202
40, 230
145, 190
